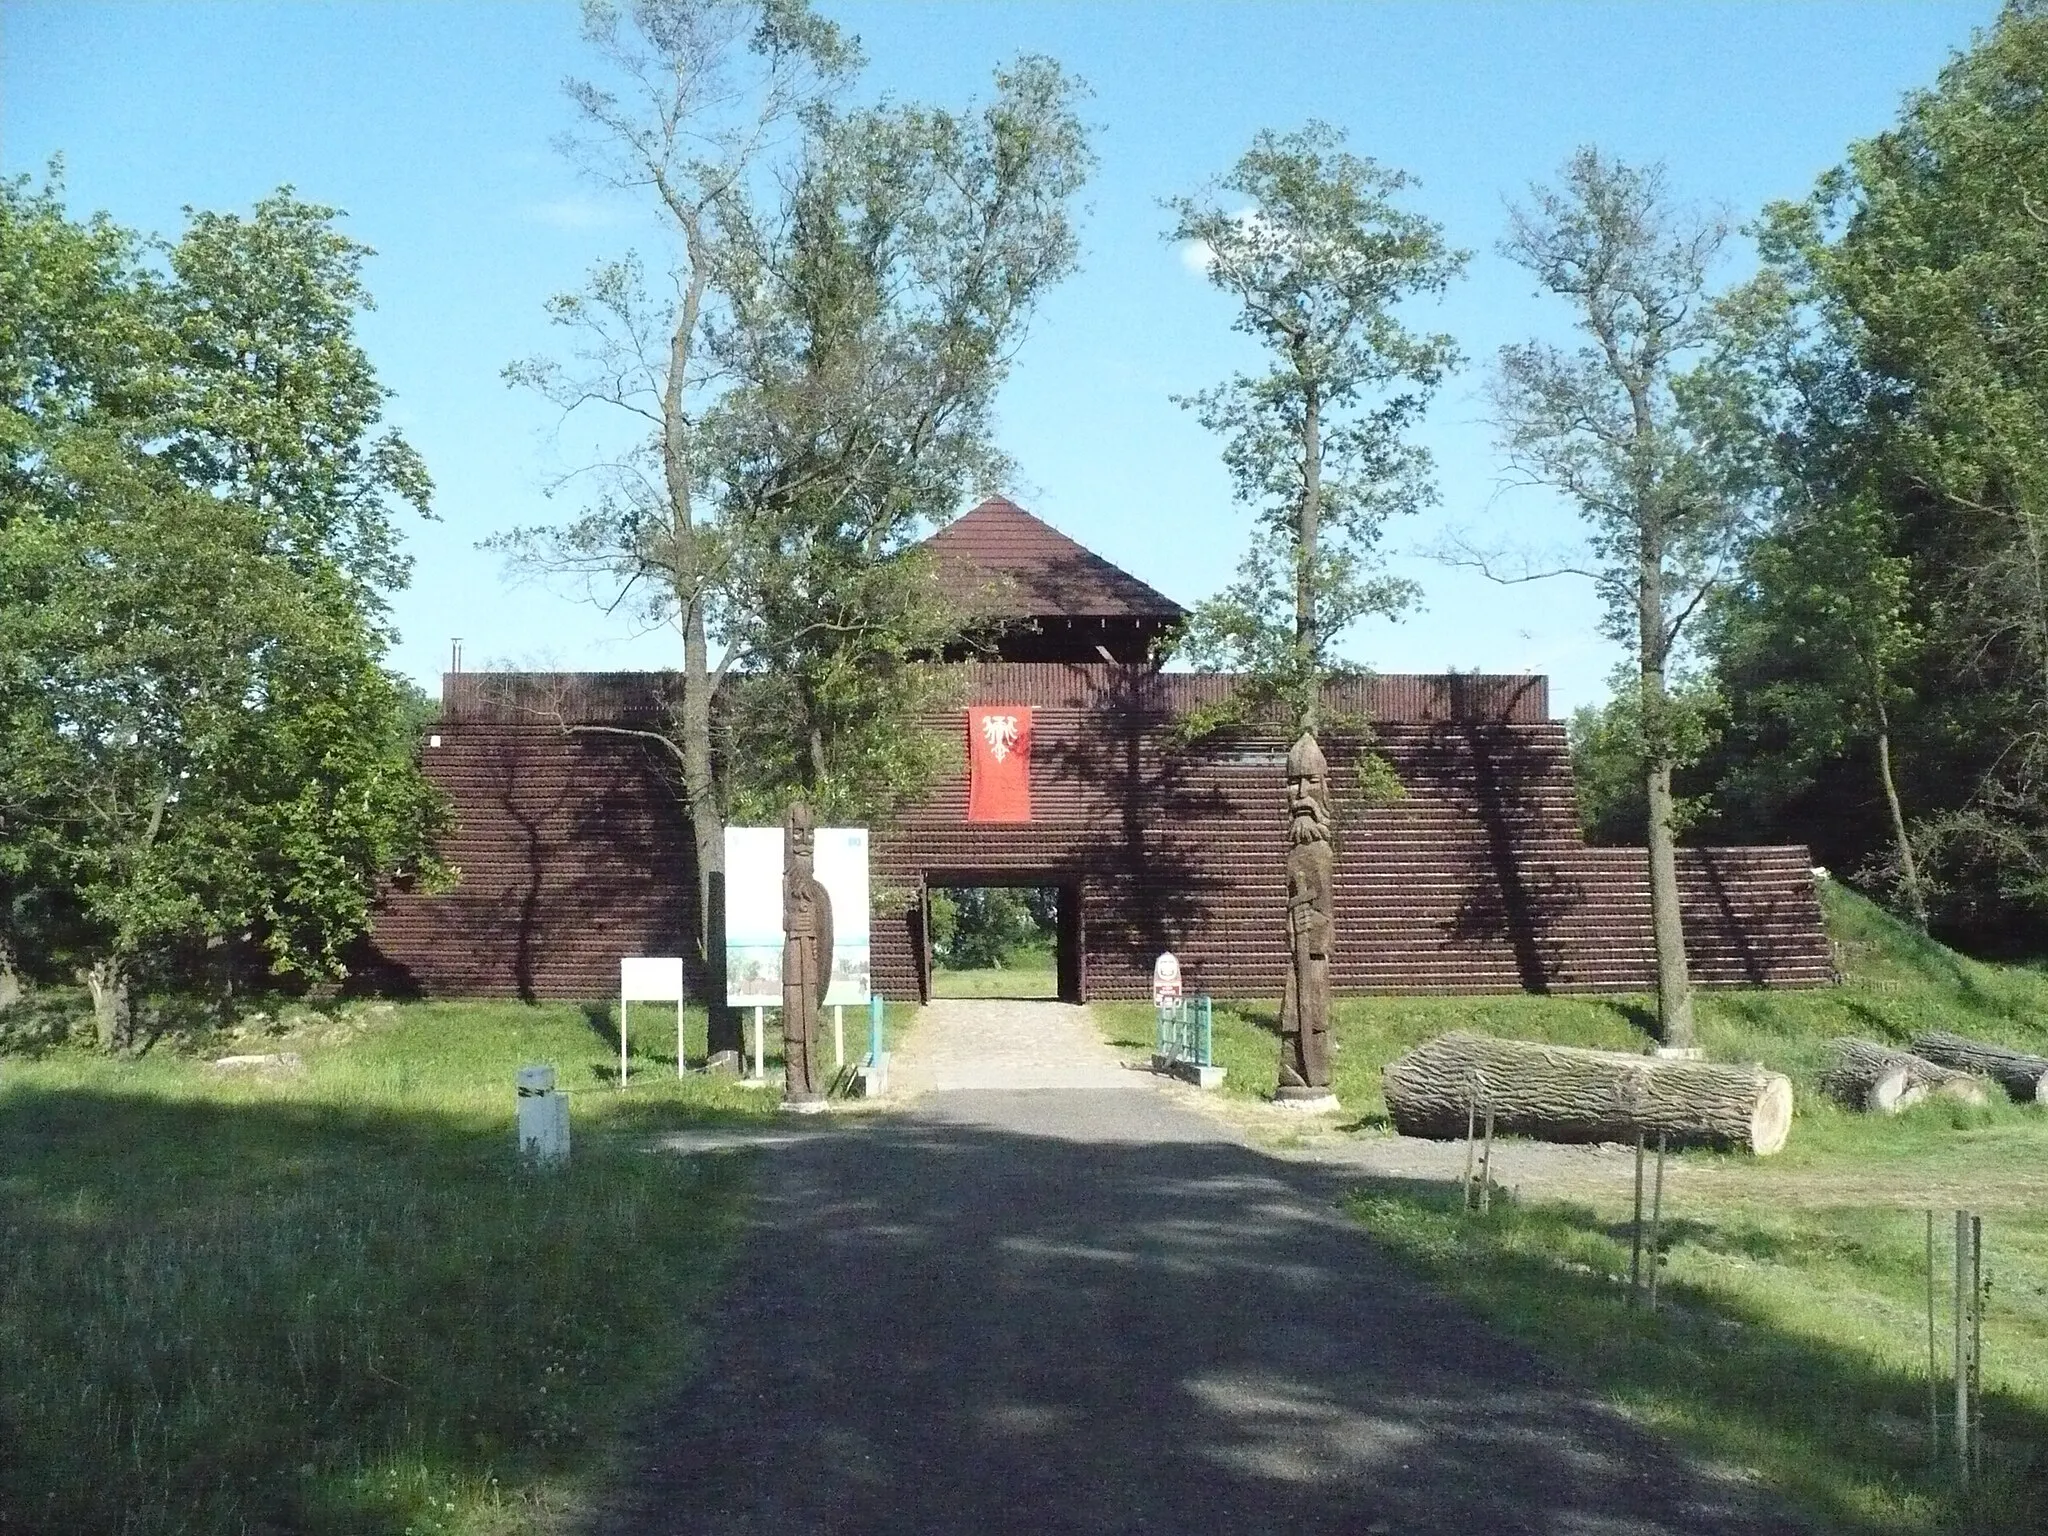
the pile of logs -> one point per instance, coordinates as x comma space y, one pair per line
1866, 1075
1563, 1093
2022, 1076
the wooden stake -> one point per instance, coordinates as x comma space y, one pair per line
1977, 1343
1933, 1363
1471, 1140
1635, 1248
1486, 1163
1656, 1220
1962, 1347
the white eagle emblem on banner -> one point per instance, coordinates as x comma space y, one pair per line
1001, 733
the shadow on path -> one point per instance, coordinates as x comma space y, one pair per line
1066, 1312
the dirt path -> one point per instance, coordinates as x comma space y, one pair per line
962, 1045
1087, 1308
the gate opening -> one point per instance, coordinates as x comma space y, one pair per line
1013, 940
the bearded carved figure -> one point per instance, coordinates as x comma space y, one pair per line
806, 958
1311, 926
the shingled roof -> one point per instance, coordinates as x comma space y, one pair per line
1038, 572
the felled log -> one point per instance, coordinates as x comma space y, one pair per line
2023, 1076
1866, 1075
1563, 1093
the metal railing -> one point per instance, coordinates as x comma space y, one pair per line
1186, 1033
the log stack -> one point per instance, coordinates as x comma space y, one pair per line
1866, 1075
1564, 1093
2023, 1076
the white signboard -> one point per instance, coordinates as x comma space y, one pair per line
1165, 981
652, 979
753, 913
649, 979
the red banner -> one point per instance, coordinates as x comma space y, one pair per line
999, 763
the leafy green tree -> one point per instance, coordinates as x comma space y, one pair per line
1309, 242
1922, 261
989, 927
1830, 606
212, 751
874, 313
197, 741
1606, 425
806, 386
76, 361
280, 408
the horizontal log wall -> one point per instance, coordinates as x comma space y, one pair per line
553, 698
570, 852
573, 852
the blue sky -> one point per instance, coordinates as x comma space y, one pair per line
431, 125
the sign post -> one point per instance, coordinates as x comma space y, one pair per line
650, 979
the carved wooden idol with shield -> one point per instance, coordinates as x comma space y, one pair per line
806, 960
1311, 931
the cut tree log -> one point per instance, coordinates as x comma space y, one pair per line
1563, 1093
1866, 1075
2023, 1076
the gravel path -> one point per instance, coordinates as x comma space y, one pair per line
1084, 1307
960, 1045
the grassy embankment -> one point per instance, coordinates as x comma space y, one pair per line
331, 1300
1793, 1340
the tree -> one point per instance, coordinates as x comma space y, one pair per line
990, 927
212, 751
872, 321
1309, 242
1825, 614
808, 387
74, 364
1606, 426
197, 741
281, 409
1922, 260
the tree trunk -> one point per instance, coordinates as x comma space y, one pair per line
684, 569
1560, 1093
1308, 535
1909, 869
707, 831
112, 1009
2023, 1076
1866, 1075
1667, 925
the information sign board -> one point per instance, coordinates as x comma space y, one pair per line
753, 913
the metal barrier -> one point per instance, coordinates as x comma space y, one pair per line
1186, 1035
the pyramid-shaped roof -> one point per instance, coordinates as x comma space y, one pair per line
1039, 572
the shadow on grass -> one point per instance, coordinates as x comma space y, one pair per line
308, 1317
1843, 1433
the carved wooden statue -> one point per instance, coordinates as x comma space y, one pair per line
1311, 927
806, 959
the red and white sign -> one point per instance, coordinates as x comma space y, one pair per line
1165, 981
999, 762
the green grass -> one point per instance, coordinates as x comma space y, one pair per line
1897, 983
1790, 1343
1794, 1343
334, 1301
1031, 974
